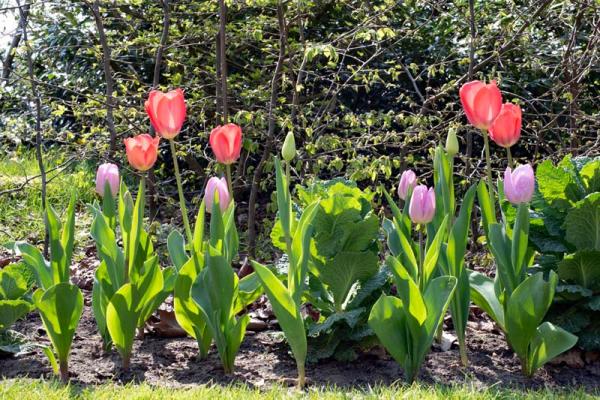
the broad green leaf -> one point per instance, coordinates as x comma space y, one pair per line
549, 341
484, 296
11, 311
526, 309
109, 206
250, 290
12, 284
557, 185
409, 293
286, 310
187, 312
347, 269
582, 268
590, 176
176, 247
393, 239
33, 257
60, 308
501, 247
146, 288
388, 321
122, 314
583, 223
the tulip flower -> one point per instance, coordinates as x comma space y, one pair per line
107, 174
481, 102
519, 184
506, 129
408, 181
226, 143
422, 205
166, 111
218, 185
142, 151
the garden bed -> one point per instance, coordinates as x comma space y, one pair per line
264, 362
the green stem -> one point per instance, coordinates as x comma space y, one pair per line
462, 348
229, 181
63, 366
184, 215
488, 160
509, 156
301, 375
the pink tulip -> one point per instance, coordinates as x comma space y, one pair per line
519, 184
226, 143
220, 186
422, 205
506, 128
107, 174
481, 102
166, 111
142, 151
408, 181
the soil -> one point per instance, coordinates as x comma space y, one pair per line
264, 360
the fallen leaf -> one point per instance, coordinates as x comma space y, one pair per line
167, 325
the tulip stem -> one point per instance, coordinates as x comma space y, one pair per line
229, 181
509, 156
488, 160
184, 216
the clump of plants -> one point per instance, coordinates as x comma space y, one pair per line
565, 230
59, 302
15, 303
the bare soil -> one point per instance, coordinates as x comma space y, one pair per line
264, 360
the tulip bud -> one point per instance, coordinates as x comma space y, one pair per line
408, 181
452, 143
422, 205
219, 186
519, 184
107, 174
288, 151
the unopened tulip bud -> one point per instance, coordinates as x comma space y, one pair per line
452, 143
519, 184
107, 174
422, 205
288, 151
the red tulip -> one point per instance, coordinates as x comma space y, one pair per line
506, 128
481, 103
166, 111
226, 143
142, 151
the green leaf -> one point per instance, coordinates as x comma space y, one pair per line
176, 247
60, 308
187, 313
12, 284
520, 240
557, 185
431, 257
583, 223
33, 257
548, 342
351, 319
122, 314
199, 229
286, 310
582, 268
11, 311
250, 290
347, 269
526, 309
487, 208
388, 321
484, 296
590, 176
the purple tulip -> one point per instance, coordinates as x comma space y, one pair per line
408, 181
519, 184
107, 173
422, 205
220, 186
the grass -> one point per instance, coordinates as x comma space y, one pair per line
20, 211
48, 390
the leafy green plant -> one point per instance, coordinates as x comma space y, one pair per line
286, 299
14, 304
129, 284
344, 274
454, 246
515, 300
406, 324
565, 229
59, 302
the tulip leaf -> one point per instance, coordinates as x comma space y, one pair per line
484, 296
433, 252
33, 257
60, 307
520, 240
176, 247
549, 341
122, 315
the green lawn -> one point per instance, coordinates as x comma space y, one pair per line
22, 389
